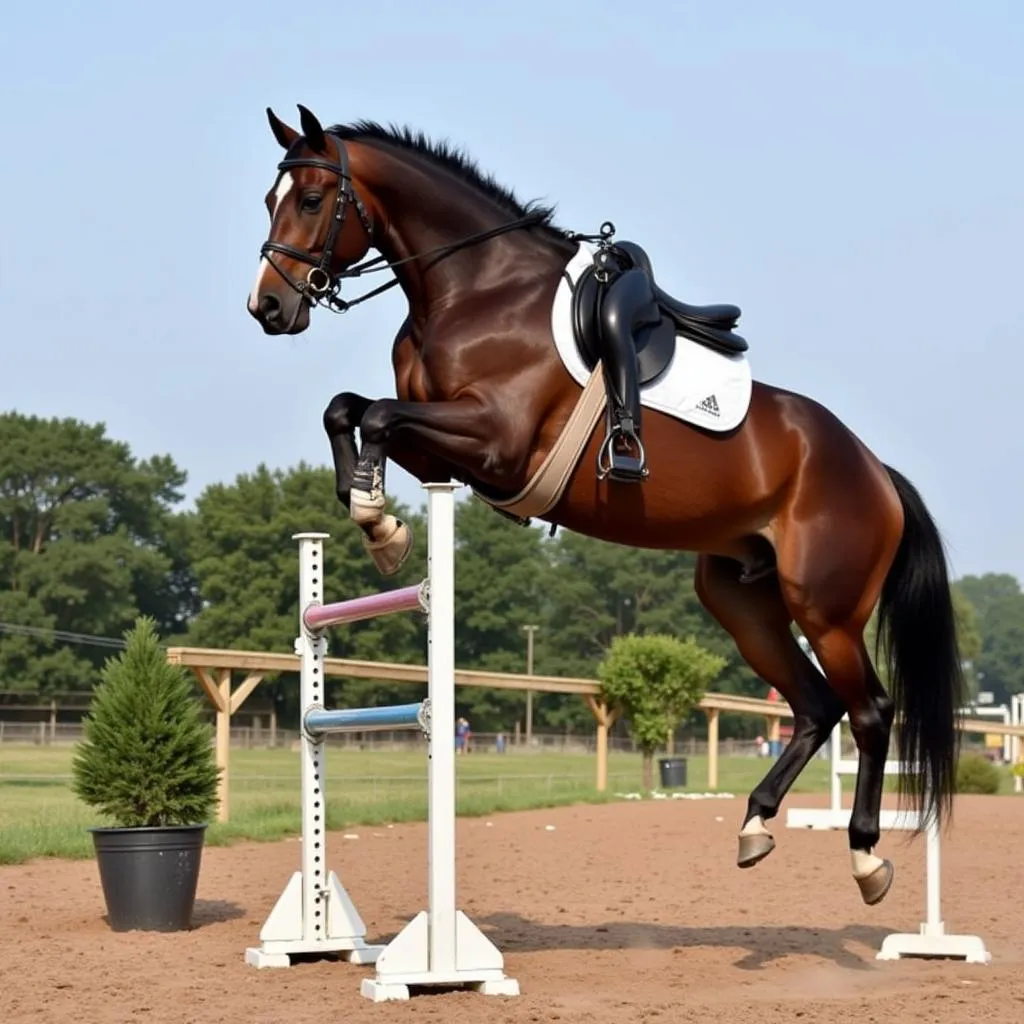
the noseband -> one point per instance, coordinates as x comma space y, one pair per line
321, 285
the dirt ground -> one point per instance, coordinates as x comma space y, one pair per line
630, 912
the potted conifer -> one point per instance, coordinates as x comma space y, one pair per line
147, 765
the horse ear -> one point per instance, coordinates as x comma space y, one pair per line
284, 135
312, 129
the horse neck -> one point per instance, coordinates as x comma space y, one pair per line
455, 211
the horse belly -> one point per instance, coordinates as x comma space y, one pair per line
704, 492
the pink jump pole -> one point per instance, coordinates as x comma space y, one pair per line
407, 599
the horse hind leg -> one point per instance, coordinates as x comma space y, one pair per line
756, 616
830, 588
844, 657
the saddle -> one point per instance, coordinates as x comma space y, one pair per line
623, 319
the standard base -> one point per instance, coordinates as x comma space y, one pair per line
477, 963
283, 936
383, 991
259, 957
969, 948
822, 819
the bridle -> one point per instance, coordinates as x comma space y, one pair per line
322, 285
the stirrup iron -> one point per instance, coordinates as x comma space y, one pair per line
622, 466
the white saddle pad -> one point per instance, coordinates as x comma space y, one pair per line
700, 386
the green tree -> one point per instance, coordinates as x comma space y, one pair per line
968, 624
599, 591
656, 680
501, 581
999, 604
985, 591
147, 757
92, 539
968, 637
968, 630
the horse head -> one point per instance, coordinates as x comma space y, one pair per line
319, 226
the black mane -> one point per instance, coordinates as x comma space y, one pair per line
453, 159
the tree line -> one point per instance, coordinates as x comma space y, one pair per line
95, 536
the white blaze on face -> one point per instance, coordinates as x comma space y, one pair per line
284, 186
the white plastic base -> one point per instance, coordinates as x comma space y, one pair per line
383, 991
283, 935
256, 956
934, 943
405, 963
821, 819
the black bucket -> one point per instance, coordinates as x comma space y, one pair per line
673, 772
149, 875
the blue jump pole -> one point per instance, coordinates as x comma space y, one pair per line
319, 721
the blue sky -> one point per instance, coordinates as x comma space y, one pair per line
849, 174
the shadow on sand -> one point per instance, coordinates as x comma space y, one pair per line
763, 944
207, 912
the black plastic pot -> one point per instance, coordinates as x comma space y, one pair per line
149, 875
672, 771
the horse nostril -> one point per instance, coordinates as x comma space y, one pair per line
270, 306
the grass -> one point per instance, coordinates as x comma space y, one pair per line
40, 816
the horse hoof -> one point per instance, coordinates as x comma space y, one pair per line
389, 554
873, 887
754, 848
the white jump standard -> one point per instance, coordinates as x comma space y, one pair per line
315, 914
440, 946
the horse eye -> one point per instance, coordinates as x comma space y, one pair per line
311, 204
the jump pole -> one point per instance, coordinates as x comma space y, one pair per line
931, 940
314, 914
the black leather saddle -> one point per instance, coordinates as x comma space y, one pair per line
653, 340
654, 328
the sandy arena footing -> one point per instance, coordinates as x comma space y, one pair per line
623, 913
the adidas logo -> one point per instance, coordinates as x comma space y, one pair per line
710, 406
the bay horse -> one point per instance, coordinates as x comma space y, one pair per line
791, 517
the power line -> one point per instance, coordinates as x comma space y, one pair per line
63, 636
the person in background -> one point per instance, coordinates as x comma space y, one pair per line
462, 736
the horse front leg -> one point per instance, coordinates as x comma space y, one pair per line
341, 418
386, 538
461, 436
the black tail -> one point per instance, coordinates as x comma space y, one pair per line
917, 632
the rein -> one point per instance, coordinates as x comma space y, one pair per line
322, 285
379, 263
